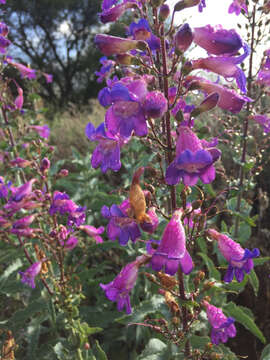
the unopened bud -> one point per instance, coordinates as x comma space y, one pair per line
201, 275
142, 45
124, 59
156, 3
183, 4
196, 204
63, 173
164, 12
183, 38
208, 346
175, 320
208, 285
150, 277
215, 356
45, 165
86, 346
187, 68
208, 103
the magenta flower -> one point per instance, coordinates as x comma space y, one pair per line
107, 153
264, 73
70, 243
110, 45
228, 98
155, 104
28, 276
120, 226
263, 120
225, 66
18, 102
217, 41
43, 131
172, 250
22, 191
194, 160
183, 38
93, 232
118, 290
48, 77
113, 13
150, 227
4, 188
222, 327
239, 259
126, 114
25, 71
24, 222
236, 7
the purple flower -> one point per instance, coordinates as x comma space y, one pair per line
223, 327
28, 276
113, 13
155, 104
110, 45
126, 112
3, 29
70, 243
4, 44
63, 205
107, 4
192, 161
118, 290
43, 131
2, 1
25, 71
3, 188
217, 41
236, 7
263, 120
150, 227
142, 31
24, 222
172, 250
264, 73
106, 69
93, 232
239, 259
48, 77
120, 226
107, 153
225, 66
183, 38
22, 191
228, 98
202, 5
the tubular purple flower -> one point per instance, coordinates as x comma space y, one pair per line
223, 327
114, 13
172, 252
24, 222
126, 113
107, 153
110, 45
43, 131
120, 226
25, 71
217, 41
70, 243
164, 12
24, 190
183, 38
228, 98
150, 227
225, 66
194, 160
202, 5
4, 44
93, 232
236, 7
239, 259
118, 290
155, 104
28, 276
141, 31
263, 120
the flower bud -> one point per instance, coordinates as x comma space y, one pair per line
208, 103
45, 165
110, 45
164, 12
63, 173
156, 3
183, 38
126, 59
183, 4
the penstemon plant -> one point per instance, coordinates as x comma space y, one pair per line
191, 261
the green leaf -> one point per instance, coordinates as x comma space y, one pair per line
261, 260
145, 308
266, 353
199, 342
236, 312
254, 281
154, 350
100, 354
60, 351
17, 264
213, 272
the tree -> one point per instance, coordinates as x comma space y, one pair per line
56, 37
